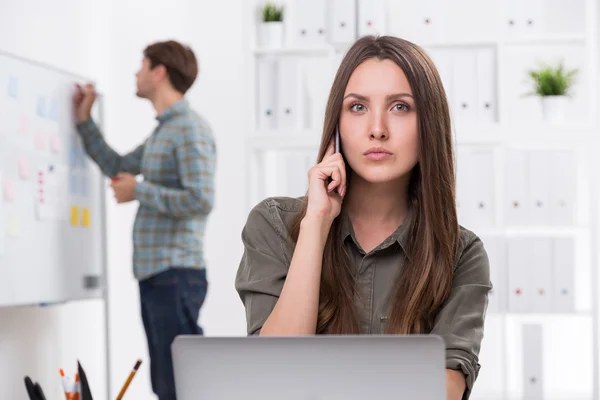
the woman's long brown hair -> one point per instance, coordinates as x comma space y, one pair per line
426, 277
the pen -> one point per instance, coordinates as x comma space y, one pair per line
66, 384
76, 388
129, 378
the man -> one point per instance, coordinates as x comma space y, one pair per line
175, 198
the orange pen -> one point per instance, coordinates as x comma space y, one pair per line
76, 388
67, 386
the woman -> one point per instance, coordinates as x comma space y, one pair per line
375, 247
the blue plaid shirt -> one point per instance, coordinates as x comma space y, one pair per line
177, 194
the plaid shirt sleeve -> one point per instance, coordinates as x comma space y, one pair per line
109, 161
196, 158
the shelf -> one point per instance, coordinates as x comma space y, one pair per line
525, 231
541, 316
296, 51
284, 140
523, 133
460, 43
549, 39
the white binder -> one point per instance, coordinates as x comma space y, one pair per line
288, 105
564, 275
563, 195
540, 183
371, 17
516, 210
342, 21
519, 276
486, 79
542, 277
464, 86
267, 93
533, 362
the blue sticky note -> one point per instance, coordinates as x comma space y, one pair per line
53, 110
13, 87
73, 184
73, 156
82, 159
83, 186
41, 106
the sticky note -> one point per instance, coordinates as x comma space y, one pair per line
53, 111
73, 184
8, 190
23, 125
55, 143
13, 87
85, 218
40, 141
73, 156
83, 186
13, 227
41, 106
23, 165
82, 160
74, 216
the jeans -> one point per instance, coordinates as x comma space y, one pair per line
170, 302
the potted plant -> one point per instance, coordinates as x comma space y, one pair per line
553, 85
271, 26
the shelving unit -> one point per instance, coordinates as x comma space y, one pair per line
495, 41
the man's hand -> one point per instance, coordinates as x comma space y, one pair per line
83, 100
124, 187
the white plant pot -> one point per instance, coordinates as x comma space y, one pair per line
554, 108
270, 35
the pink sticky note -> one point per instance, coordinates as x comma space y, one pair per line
23, 168
55, 143
40, 141
23, 124
9, 190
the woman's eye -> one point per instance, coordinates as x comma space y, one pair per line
357, 107
401, 107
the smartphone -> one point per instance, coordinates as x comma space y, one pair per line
337, 138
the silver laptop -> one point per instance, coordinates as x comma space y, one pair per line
309, 368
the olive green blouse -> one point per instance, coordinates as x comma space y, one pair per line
268, 250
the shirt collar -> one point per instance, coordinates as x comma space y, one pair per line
400, 235
176, 109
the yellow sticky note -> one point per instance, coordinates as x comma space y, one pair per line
13, 227
85, 219
74, 216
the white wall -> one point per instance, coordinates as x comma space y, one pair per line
104, 40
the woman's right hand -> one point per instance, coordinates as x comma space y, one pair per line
325, 196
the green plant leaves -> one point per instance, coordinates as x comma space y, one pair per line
549, 81
272, 13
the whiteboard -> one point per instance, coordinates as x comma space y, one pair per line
52, 222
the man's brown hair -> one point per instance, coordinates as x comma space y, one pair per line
179, 61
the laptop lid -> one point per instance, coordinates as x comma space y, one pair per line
309, 367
